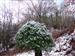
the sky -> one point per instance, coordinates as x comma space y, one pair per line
20, 6
58, 2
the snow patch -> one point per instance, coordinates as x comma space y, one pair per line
60, 49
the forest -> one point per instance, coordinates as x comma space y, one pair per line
37, 28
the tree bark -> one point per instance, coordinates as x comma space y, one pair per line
38, 52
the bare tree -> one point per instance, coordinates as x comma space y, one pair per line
41, 11
6, 28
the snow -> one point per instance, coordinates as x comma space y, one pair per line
62, 43
60, 49
31, 53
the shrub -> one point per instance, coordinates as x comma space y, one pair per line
34, 35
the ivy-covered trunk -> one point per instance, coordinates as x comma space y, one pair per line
38, 52
34, 36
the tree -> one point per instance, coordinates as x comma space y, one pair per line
41, 11
35, 36
6, 29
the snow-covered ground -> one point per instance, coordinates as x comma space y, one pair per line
17, 8
30, 53
60, 49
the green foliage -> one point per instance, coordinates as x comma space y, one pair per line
34, 35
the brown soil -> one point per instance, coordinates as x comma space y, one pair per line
13, 51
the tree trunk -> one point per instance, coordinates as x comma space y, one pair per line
38, 52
